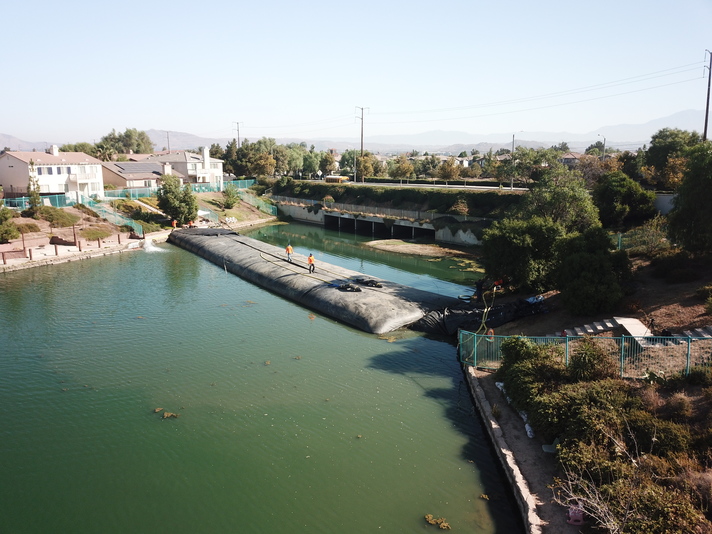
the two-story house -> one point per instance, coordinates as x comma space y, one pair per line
197, 167
56, 172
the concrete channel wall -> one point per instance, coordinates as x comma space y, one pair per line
375, 225
331, 290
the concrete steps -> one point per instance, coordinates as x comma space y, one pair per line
633, 328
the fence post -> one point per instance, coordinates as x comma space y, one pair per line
567, 350
622, 353
687, 367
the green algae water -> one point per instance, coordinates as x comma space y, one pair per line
289, 422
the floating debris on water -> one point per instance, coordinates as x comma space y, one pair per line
167, 415
440, 521
156, 410
268, 362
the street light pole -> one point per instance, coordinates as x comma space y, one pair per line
603, 158
511, 182
707, 104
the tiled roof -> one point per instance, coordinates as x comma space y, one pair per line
42, 158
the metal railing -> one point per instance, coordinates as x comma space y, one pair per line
637, 356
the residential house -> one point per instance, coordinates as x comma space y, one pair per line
56, 172
570, 159
136, 174
197, 168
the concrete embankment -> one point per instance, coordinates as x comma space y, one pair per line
370, 304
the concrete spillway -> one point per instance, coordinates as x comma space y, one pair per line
330, 290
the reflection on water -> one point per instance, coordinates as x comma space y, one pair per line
445, 276
289, 422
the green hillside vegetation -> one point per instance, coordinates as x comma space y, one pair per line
635, 456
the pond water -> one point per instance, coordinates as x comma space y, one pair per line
289, 422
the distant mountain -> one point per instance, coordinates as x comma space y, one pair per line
622, 136
13, 143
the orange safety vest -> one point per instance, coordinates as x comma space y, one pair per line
310, 259
289, 249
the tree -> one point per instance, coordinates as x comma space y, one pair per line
562, 147
364, 167
589, 274
230, 158
262, 164
8, 229
281, 160
176, 202
327, 165
563, 199
521, 250
449, 170
86, 148
310, 163
596, 149
216, 151
230, 196
691, 217
402, 168
295, 159
33, 192
621, 201
666, 146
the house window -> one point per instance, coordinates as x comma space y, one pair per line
213, 165
147, 183
49, 170
191, 167
39, 171
69, 170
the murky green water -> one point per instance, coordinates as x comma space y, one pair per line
289, 422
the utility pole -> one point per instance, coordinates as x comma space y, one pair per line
363, 178
238, 132
168, 139
707, 104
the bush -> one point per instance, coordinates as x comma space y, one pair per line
93, 234
708, 305
28, 228
86, 209
591, 362
704, 292
656, 436
57, 218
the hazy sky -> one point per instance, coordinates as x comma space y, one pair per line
74, 70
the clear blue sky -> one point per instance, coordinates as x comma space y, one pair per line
74, 70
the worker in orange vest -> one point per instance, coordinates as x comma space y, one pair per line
310, 261
290, 251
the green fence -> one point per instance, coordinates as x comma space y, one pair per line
70, 199
637, 356
58, 201
106, 212
259, 204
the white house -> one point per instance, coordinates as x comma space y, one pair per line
199, 168
56, 172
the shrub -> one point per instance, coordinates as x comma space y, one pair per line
590, 362
92, 234
57, 218
678, 407
28, 228
704, 292
8, 231
708, 306
86, 209
656, 436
